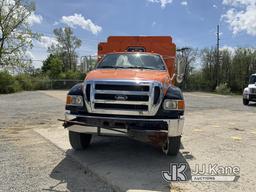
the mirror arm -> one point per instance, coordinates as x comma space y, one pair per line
179, 78
173, 76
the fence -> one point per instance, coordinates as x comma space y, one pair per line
53, 84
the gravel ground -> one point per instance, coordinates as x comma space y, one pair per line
218, 129
29, 109
28, 162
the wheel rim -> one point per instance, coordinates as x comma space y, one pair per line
165, 146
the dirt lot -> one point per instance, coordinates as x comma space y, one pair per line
35, 154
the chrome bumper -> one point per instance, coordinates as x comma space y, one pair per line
175, 126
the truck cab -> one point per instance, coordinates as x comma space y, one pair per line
130, 92
249, 93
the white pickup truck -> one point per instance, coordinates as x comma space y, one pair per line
249, 93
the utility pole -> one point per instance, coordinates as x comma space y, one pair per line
217, 55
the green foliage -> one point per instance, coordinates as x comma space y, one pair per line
8, 84
28, 82
232, 71
16, 35
42, 82
52, 66
25, 82
76, 75
223, 89
195, 81
62, 61
66, 47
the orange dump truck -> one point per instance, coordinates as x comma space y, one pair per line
131, 93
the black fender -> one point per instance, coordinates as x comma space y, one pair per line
76, 90
174, 93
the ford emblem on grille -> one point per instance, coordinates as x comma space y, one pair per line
121, 97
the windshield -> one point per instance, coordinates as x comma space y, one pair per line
252, 79
132, 61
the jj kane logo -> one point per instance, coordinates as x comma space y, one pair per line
204, 172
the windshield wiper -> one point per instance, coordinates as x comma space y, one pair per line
141, 68
120, 67
105, 67
111, 67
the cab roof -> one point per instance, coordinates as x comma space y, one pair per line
127, 52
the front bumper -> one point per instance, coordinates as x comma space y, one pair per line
92, 124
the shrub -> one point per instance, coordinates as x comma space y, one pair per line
8, 84
14, 87
39, 81
223, 89
76, 75
26, 82
52, 66
42, 82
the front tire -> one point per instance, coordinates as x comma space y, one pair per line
245, 101
79, 141
172, 146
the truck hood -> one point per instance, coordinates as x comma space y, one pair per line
252, 86
129, 74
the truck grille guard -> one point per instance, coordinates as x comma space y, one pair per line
123, 97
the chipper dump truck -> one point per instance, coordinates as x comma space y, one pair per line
130, 92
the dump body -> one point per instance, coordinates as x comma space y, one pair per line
162, 45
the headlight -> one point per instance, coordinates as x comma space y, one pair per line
173, 104
75, 100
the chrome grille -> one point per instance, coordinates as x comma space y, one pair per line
253, 90
124, 97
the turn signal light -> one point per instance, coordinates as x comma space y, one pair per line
69, 100
181, 104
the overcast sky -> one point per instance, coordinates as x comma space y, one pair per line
190, 22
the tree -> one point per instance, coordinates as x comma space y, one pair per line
52, 66
15, 33
66, 47
208, 59
234, 69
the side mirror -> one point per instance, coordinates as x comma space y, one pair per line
181, 68
88, 63
84, 64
